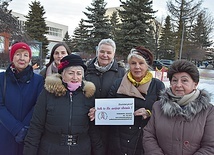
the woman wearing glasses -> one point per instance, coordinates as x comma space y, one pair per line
137, 83
182, 122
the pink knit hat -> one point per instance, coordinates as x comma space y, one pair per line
17, 46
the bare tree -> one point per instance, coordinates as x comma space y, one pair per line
183, 12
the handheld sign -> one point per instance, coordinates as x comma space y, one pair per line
114, 111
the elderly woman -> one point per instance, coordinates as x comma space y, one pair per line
58, 51
137, 83
19, 89
60, 124
103, 70
182, 121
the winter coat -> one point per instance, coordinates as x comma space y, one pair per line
127, 139
103, 83
173, 130
59, 115
20, 97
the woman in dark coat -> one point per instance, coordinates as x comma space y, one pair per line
60, 124
103, 71
139, 84
19, 89
183, 119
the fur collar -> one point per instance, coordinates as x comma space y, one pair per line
53, 84
189, 111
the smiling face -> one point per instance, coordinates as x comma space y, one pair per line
73, 74
59, 53
105, 55
182, 84
21, 59
138, 68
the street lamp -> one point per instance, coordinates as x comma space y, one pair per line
182, 38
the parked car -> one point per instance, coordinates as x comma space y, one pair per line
158, 65
166, 62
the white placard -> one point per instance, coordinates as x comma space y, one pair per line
114, 111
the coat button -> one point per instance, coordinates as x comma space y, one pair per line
139, 127
186, 142
128, 141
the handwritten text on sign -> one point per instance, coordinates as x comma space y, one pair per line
114, 111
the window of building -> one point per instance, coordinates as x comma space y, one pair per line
55, 31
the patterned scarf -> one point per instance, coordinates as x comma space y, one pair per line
25, 75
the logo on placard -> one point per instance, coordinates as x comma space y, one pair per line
102, 115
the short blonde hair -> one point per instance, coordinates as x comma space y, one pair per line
78, 67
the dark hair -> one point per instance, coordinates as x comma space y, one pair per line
183, 66
53, 50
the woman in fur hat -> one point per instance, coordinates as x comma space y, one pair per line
19, 89
60, 124
182, 122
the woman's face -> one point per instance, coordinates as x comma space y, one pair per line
72, 74
138, 68
182, 84
59, 53
105, 55
21, 59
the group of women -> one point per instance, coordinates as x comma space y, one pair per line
54, 114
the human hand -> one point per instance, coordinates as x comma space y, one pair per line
142, 112
21, 135
35, 66
91, 114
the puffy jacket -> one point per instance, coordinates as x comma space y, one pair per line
173, 130
57, 116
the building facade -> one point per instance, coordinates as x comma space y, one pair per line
56, 33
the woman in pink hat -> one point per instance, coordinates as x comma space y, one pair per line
19, 87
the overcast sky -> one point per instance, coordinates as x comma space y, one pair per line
69, 12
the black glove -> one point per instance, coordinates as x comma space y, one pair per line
21, 135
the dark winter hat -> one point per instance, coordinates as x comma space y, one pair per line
70, 60
184, 66
17, 46
144, 52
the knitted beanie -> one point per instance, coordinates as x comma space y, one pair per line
17, 46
